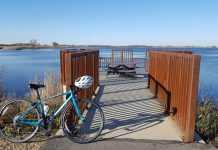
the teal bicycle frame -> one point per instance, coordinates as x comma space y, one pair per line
39, 103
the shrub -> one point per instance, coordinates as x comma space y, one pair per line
207, 122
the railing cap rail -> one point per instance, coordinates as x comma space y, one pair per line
186, 55
173, 51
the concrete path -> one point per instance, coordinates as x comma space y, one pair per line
132, 112
124, 144
133, 120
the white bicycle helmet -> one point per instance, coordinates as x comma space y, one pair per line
83, 82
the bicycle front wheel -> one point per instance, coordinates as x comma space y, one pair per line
83, 130
11, 117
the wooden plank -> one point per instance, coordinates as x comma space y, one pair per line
62, 66
68, 69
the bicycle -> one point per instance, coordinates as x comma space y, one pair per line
82, 120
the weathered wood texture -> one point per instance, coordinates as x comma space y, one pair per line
77, 63
174, 78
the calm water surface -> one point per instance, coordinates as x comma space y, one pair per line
21, 66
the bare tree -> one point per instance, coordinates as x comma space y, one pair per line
55, 44
33, 42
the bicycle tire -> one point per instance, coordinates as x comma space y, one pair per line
74, 131
7, 119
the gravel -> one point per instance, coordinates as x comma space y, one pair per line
5, 145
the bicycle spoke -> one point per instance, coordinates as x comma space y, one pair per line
16, 131
92, 125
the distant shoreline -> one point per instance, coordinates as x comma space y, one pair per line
23, 47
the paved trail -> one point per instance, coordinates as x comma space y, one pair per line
133, 120
124, 144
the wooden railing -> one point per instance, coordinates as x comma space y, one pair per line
173, 78
174, 51
77, 63
140, 62
103, 61
122, 55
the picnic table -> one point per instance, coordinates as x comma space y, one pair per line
121, 68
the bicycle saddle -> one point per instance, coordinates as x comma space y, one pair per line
36, 86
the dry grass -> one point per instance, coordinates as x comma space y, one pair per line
4, 93
52, 87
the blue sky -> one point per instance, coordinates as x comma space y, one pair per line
112, 22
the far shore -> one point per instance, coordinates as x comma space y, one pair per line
23, 47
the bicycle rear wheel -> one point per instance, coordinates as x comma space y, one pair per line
13, 130
87, 130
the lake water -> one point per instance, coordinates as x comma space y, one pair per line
21, 66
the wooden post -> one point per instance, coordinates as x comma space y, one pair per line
122, 55
156, 89
168, 102
167, 109
192, 100
149, 78
64, 90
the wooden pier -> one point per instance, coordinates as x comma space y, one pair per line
164, 111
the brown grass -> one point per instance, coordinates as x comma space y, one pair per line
52, 87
